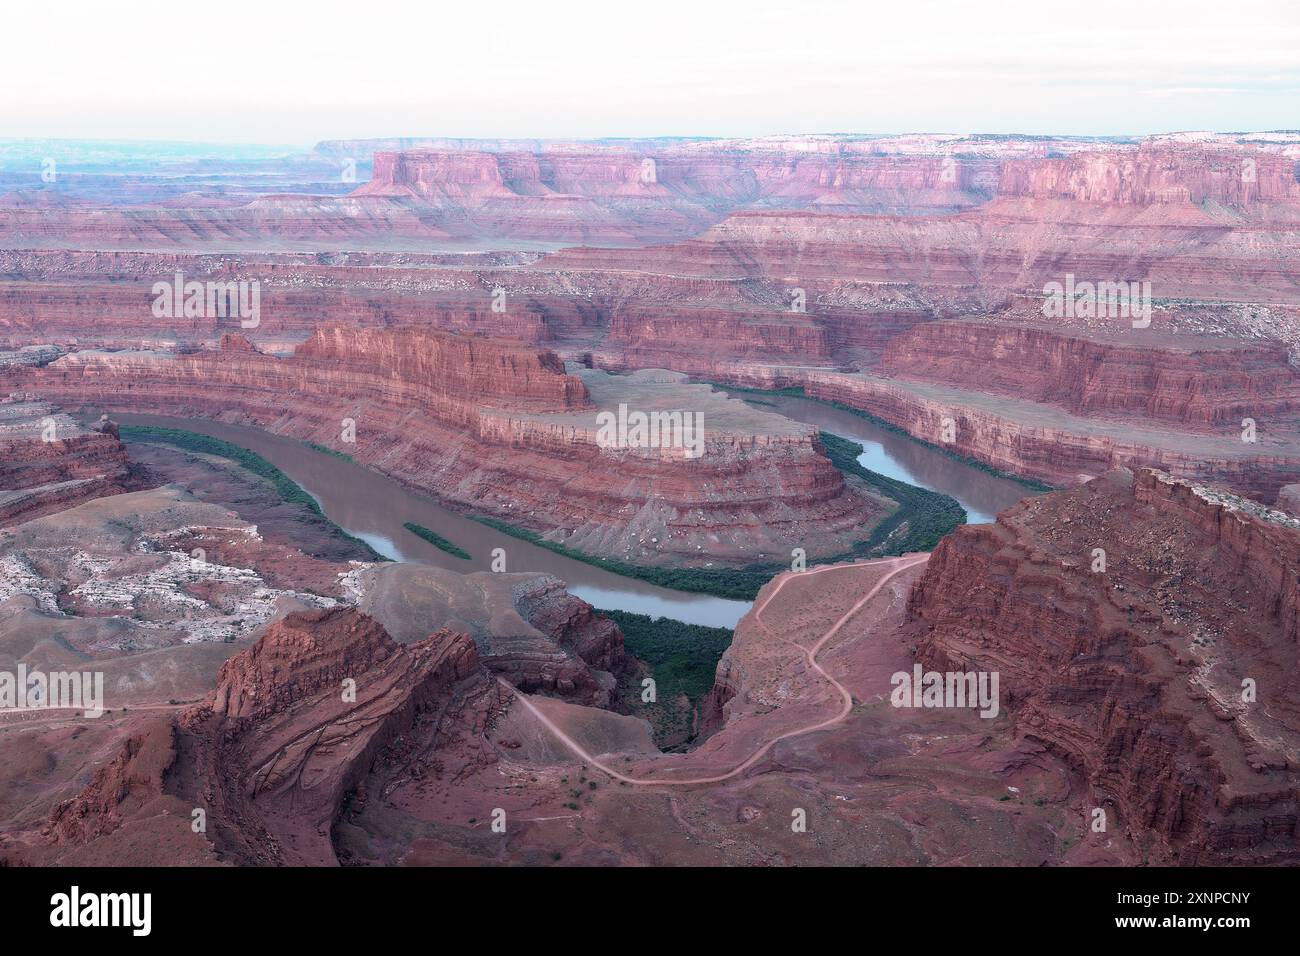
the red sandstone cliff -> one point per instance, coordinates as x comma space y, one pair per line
1043, 442
48, 462
527, 627
451, 368
295, 724
1134, 674
526, 191
645, 335
1219, 251
1157, 173
1194, 385
498, 427
661, 189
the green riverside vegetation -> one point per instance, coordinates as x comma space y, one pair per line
740, 584
929, 515
437, 540
797, 391
326, 450
289, 490
683, 656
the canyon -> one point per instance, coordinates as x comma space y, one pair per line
462, 318
432, 751
500, 427
1141, 668
49, 461
799, 276
440, 190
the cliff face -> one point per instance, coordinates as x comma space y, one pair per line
58, 312
296, 723
449, 377
651, 336
498, 426
437, 191
1156, 173
1025, 438
1134, 674
879, 237
527, 627
687, 179
48, 462
451, 368
1257, 544
1215, 385
1032, 440
1207, 222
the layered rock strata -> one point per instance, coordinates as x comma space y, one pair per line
527, 626
1201, 384
1165, 674
295, 724
498, 427
796, 276
48, 462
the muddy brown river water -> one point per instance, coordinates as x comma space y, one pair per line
982, 494
374, 508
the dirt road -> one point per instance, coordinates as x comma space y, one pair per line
810, 652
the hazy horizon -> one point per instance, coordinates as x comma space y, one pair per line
585, 70
308, 145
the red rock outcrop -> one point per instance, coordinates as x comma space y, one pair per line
1142, 671
284, 740
295, 724
595, 193
134, 780
1193, 385
835, 174
1210, 221
1156, 174
453, 367
449, 377
437, 190
498, 427
527, 626
1038, 441
656, 336
48, 462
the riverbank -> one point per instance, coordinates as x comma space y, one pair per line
797, 391
289, 490
376, 508
740, 584
926, 515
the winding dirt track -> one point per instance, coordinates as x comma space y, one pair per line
899, 565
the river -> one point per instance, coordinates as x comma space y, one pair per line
374, 508
893, 455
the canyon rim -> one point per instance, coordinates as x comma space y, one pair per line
445, 461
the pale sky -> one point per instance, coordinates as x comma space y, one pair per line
298, 72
